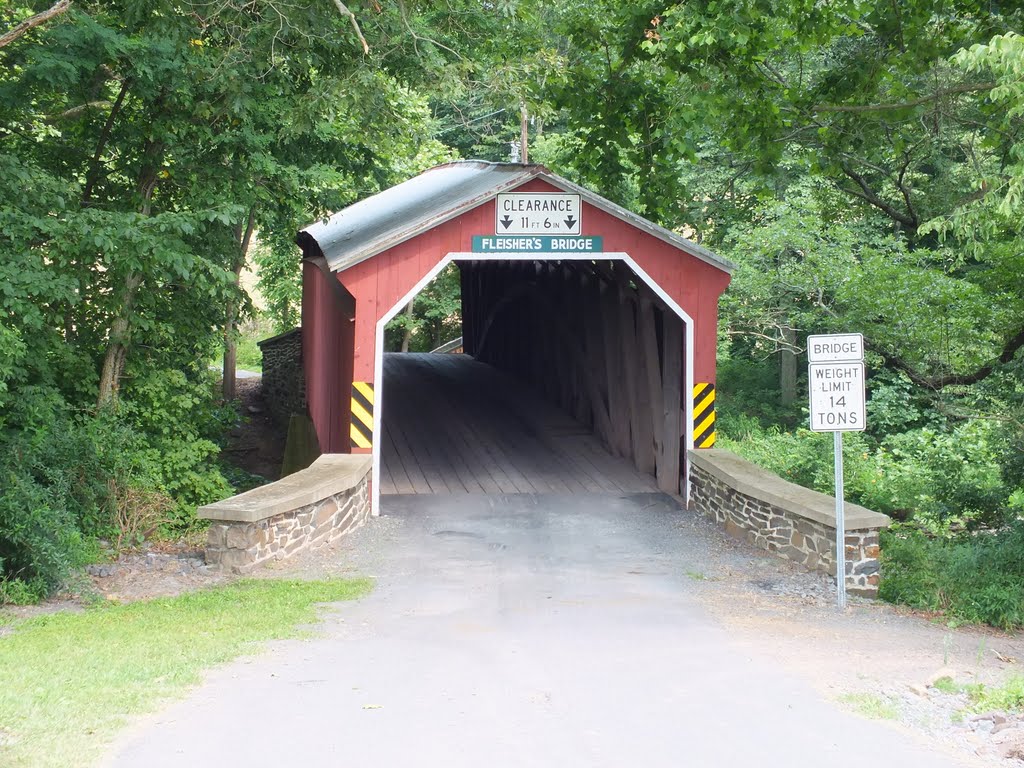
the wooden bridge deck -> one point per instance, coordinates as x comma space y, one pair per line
453, 425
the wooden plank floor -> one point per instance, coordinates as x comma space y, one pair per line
453, 425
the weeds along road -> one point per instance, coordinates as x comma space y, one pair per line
521, 631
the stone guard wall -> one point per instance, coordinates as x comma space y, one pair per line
784, 518
284, 380
305, 509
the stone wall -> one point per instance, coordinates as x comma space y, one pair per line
308, 508
284, 381
784, 518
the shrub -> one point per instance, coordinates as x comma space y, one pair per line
39, 540
180, 421
972, 577
805, 458
946, 479
69, 477
942, 480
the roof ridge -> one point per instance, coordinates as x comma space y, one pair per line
381, 221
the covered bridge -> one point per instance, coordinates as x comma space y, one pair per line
568, 297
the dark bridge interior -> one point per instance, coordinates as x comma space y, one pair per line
582, 389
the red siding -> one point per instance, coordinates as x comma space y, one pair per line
380, 282
327, 336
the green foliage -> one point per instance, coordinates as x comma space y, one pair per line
973, 578
39, 539
996, 213
68, 474
1008, 697
748, 391
55, 493
136, 143
946, 479
436, 316
179, 421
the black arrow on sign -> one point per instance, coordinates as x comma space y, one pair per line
570, 222
507, 221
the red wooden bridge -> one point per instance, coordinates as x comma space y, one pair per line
589, 335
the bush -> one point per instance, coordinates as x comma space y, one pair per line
972, 578
179, 422
40, 541
806, 458
942, 480
55, 496
67, 477
947, 479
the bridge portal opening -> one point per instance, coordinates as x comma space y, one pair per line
570, 377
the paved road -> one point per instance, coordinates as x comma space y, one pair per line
519, 631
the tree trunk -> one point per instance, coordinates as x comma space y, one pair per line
407, 333
228, 383
524, 136
120, 329
787, 367
117, 349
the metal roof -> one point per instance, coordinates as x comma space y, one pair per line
379, 222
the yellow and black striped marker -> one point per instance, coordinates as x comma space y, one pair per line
362, 414
703, 415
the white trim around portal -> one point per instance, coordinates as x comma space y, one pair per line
378, 355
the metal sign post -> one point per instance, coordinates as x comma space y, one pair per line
840, 522
835, 379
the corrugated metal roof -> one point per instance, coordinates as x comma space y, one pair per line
379, 222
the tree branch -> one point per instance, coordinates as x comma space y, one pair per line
870, 196
1010, 348
416, 38
344, 11
91, 177
905, 191
964, 88
34, 21
76, 111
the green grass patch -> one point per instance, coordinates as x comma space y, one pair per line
1007, 697
871, 706
69, 681
948, 685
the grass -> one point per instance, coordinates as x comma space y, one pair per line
1008, 697
69, 681
871, 706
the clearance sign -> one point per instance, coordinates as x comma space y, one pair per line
537, 213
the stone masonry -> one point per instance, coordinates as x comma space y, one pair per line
284, 381
784, 518
310, 507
